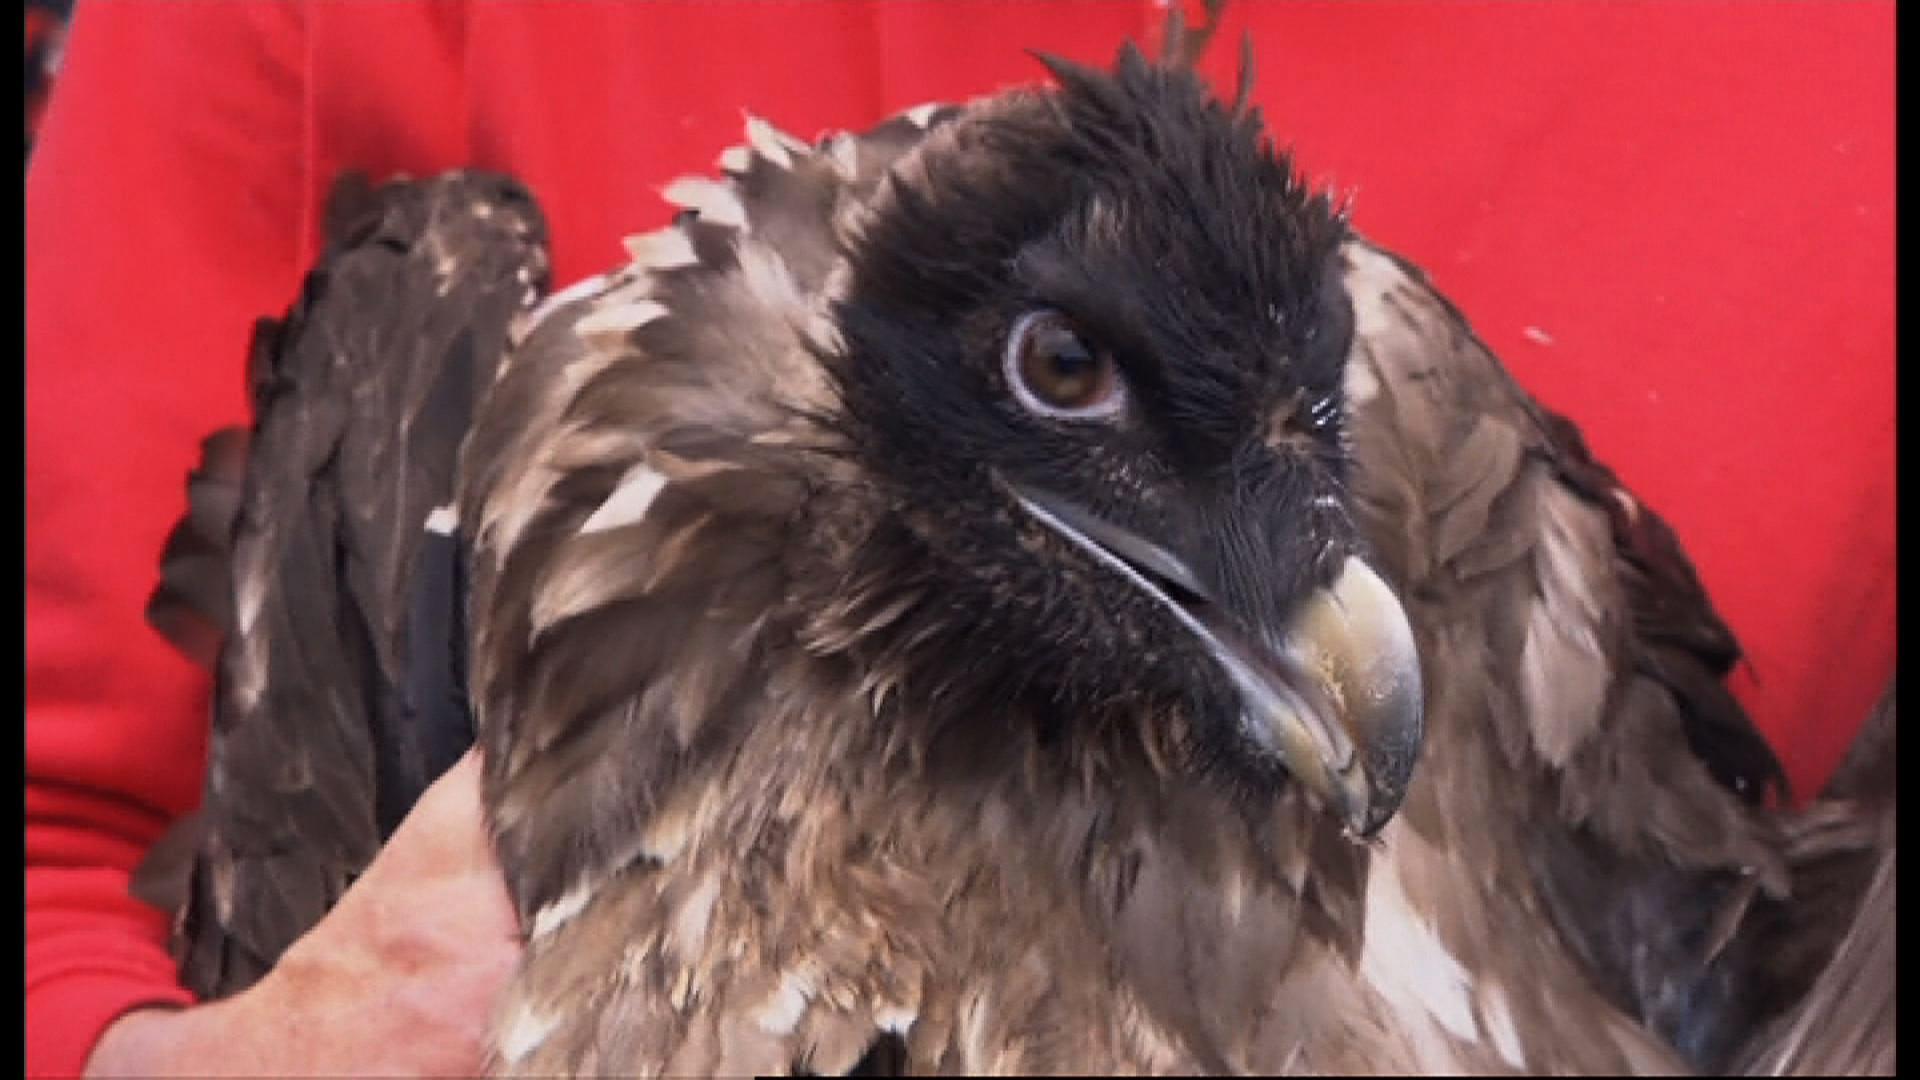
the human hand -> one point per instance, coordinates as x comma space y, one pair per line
400, 978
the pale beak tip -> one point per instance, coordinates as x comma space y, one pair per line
1361, 633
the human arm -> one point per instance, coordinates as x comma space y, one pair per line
398, 979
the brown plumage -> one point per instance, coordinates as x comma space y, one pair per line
361, 396
1589, 776
1829, 951
1562, 835
764, 795
192, 607
811, 743
698, 765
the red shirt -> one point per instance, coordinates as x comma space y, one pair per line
1675, 223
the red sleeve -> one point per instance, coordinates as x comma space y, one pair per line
161, 220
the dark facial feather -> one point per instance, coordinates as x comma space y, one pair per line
1167, 229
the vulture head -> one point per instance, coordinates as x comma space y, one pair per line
1091, 354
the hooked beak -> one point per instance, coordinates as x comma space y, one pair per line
1336, 696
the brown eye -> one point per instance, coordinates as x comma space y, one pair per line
1055, 373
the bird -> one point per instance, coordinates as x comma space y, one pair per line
1028, 587
982, 456
884, 637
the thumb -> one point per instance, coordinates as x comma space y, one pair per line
445, 832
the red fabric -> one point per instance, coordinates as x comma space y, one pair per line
1674, 221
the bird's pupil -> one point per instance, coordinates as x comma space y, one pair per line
1053, 371
1068, 374
1071, 361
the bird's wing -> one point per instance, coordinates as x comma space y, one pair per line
1845, 1025
1582, 813
192, 607
629, 489
1829, 946
361, 397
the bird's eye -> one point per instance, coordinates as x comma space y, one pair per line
1055, 373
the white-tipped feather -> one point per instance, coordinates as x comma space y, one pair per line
714, 201
1361, 384
620, 318
665, 838
1499, 1018
735, 159
554, 915
523, 1033
1370, 276
688, 931
843, 153
782, 1012
895, 1019
922, 115
768, 142
579, 290
662, 249
629, 501
1404, 959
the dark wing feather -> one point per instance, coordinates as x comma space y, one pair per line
1846, 1024
1583, 813
1679, 640
1828, 949
361, 397
192, 607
